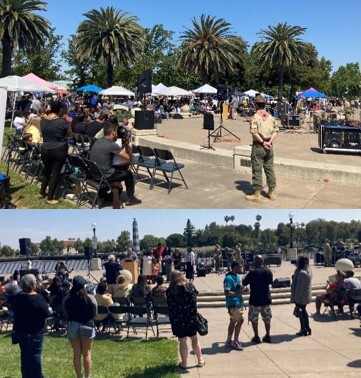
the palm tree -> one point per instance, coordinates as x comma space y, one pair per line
110, 36
280, 47
20, 27
232, 218
210, 48
227, 219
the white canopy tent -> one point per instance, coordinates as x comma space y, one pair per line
116, 91
206, 88
156, 89
174, 91
252, 93
20, 84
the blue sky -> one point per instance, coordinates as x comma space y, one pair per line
64, 224
333, 27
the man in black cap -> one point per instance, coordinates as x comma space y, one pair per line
264, 130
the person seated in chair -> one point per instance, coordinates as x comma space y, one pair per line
103, 299
103, 152
351, 283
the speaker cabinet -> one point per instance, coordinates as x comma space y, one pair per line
294, 120
144, 83
359, 236
25, 246
144, 120
222, 92
208, 121
88, 252
35, 272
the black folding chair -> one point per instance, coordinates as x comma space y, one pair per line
78, 175
169, 166
147, 160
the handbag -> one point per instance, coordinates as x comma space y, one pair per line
85, 331
201, 324
297, 312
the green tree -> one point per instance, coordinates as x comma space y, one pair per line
346, 81
47, 245
79, 246
268, 239
150, 241
110, 36
123, 240
7, 251
176, 240
280, 47
283, 234
210, 48
34, 249
21, 27
45, 62
189, 232
226, 219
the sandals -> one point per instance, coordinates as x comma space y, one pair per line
201, 363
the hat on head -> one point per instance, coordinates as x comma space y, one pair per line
126, 274
260, 99
79, 282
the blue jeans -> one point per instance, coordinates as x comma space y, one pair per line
31, 347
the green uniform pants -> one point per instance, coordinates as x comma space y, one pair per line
262, 159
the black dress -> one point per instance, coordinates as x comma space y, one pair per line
183, 310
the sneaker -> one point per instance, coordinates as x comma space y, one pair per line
133, 201
256, 339
267, 339
229, 343
237, 345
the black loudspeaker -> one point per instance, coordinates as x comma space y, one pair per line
25, 246
294, 120
281, 282
222, 92
144, 120
201, 272
144, 83
208, 121
359, 236
35, 272
88, 252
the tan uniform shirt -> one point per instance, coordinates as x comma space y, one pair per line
264, 124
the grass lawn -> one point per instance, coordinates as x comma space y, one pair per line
112, 358
7, 131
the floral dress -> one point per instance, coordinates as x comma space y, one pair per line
182, 303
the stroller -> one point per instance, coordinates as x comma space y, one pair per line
5, 198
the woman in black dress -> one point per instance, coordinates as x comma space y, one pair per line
177, 259
54, 150
182, 303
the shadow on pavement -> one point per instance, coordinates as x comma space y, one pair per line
244, 186
356, 363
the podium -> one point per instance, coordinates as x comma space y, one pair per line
132, 266
225, 111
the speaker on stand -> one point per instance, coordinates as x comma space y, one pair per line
208, 124
144, 85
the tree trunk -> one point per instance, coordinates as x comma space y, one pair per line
110, 73
280, 87
6, 56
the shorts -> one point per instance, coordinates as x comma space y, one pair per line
73, 331
265, 311
235, 314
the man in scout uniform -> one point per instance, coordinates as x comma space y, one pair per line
264, 131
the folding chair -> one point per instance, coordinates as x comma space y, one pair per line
36, 165
161, 312
141, 318
77, 176
101, 322
5, 197
98, 181
169, 166
122, 301
119, 316
147, 160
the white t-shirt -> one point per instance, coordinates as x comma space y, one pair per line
18, 122
117, 160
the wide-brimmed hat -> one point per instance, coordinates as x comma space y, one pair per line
260, 99
126, 274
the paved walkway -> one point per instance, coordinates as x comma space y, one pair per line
333, 350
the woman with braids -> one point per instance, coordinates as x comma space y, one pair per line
80, 309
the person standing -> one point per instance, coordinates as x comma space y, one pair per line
80, 309
190, 262
54, 150
327, 253
238, 255
30, 311
264, 131
229, 256
182, 303
167, 262
217, 255
301, 293
234, 301
259, 280
112, 269
177, 259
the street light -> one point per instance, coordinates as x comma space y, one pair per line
292, 226
95, 240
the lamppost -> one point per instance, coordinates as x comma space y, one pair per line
95, 240
292, 226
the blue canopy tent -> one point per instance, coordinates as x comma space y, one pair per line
312, 93
89, 88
